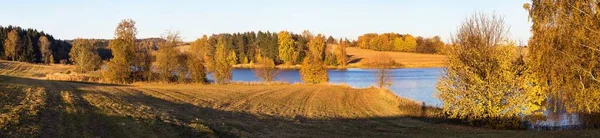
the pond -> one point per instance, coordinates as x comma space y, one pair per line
418, 84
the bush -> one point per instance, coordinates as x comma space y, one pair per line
313, 71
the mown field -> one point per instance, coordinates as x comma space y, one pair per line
407, 60
35, 107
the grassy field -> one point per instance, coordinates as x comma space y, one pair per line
46, 108
407, 60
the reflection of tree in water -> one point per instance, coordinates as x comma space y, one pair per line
558, 118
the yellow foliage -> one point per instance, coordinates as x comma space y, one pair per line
313, 70
485, 79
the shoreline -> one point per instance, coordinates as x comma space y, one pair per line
296, 67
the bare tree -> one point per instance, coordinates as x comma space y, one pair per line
45, 49
383, 64
265, 69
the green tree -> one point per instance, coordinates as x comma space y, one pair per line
84, 55
118, 69
330, 59
26, 52
287, 51
483, 82
142, 62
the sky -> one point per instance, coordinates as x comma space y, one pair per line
69, 19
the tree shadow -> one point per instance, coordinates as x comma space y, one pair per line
76, 110
353, 59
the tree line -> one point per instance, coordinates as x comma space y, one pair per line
400, 43
33, 46
133, 60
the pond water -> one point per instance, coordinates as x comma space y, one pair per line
418, 84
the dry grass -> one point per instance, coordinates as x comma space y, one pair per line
31, 70
361, 57
34, 107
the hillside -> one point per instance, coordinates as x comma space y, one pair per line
45, 108
408, 60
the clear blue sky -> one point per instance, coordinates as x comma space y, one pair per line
68, 19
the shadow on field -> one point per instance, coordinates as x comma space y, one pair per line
90, 110
354, 59
73, 111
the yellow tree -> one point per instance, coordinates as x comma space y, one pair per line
12, 44
406, 43
118, 69
483, 81
317, 46
199, 49
565, 52
167, 57
84, 55
313, 70
287, 51
223, 62
341, 54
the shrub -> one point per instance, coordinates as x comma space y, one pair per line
313, 71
